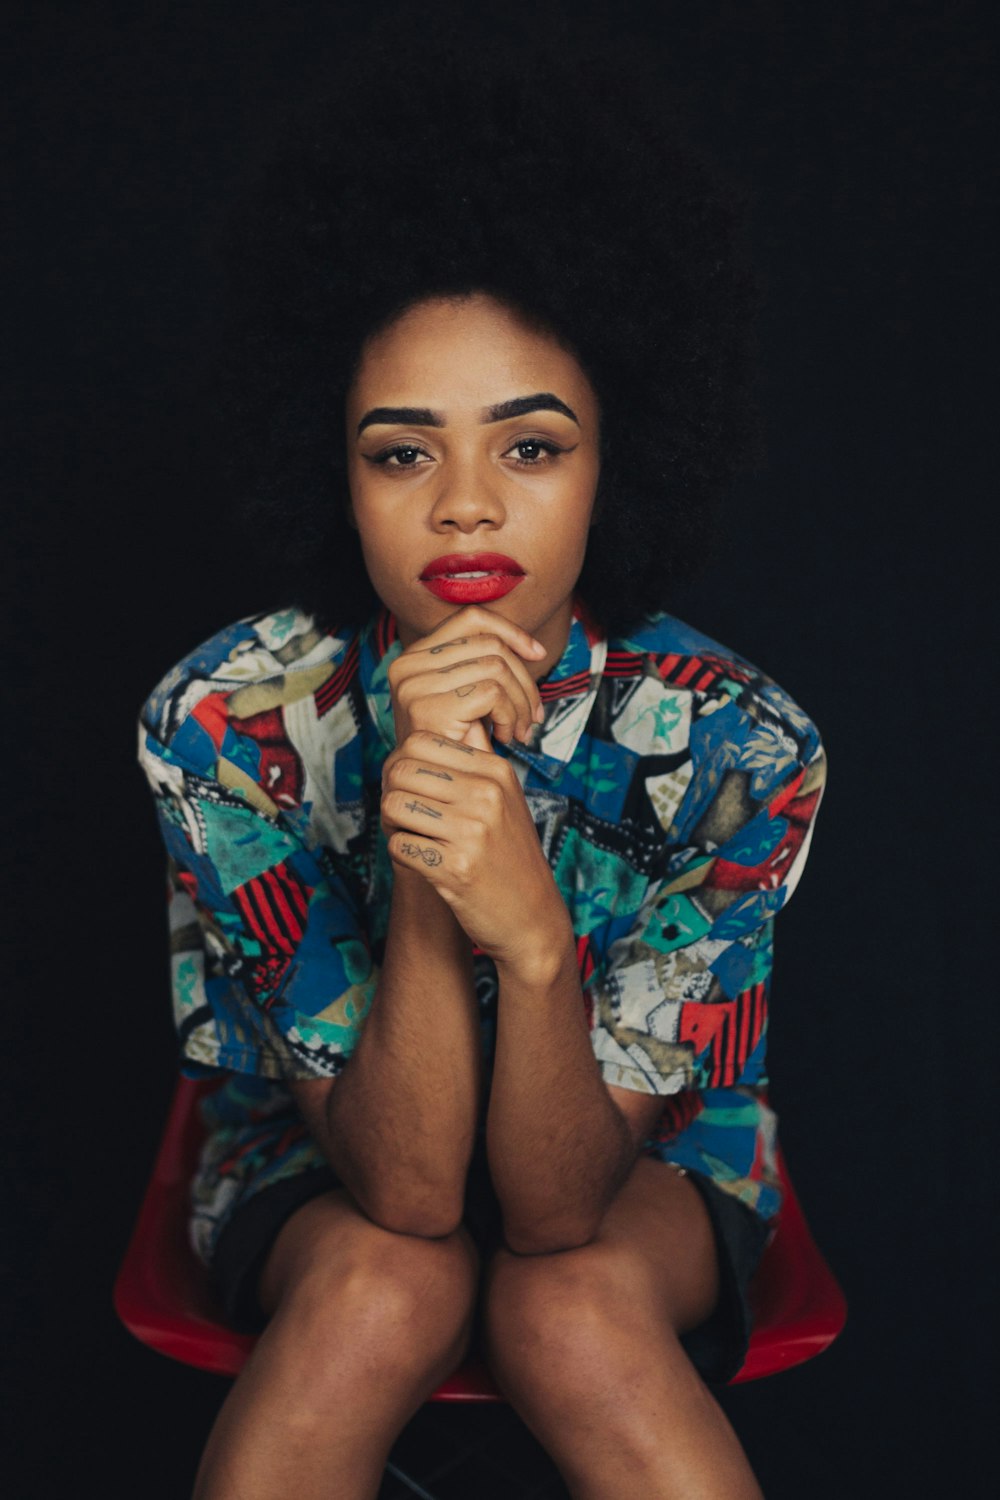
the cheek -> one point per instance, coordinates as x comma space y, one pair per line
384, 549
370, 548
578, 524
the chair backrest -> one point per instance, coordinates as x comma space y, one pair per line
162, 1294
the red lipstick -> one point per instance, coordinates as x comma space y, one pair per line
499, 574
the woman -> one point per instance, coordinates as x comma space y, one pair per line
474, 850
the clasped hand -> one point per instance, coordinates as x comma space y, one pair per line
452, 809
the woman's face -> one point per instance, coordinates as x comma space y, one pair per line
436, 469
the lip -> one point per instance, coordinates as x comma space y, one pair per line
473, 590
504, 574
472, 562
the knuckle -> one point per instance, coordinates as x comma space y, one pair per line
390, 802
397, 851
479, 829
490, 795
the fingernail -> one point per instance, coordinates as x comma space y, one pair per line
538, 647
539, 714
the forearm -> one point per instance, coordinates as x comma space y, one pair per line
401, 1117
558, 1147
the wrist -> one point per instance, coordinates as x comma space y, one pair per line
416, 902
541, 961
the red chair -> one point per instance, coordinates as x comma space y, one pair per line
162, 1295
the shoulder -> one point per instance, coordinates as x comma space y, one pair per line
258, 660
679, 664
716, 739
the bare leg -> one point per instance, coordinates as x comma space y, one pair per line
364, 1324
584, 1344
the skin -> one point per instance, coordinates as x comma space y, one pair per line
609, 1255
470, 486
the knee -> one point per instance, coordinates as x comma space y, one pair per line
554, 1322
390, 1301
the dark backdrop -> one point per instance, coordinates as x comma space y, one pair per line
855, 569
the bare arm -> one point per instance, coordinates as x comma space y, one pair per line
398, 1124
560, 1141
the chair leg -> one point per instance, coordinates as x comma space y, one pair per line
411, 1484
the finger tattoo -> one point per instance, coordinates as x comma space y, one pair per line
454, 745
445, 644
455, 664
441, 775
429, 856
463, 692
419, 807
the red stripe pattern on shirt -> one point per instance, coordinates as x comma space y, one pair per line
724, 1034
334, 688
273, 905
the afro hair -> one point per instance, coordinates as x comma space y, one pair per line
547, 169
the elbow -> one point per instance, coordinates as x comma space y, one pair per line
548, 1239
427, 1221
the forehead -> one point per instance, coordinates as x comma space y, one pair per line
473, 347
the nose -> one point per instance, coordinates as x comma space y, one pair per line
467, 499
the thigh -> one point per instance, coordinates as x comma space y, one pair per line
330, 1238
659, 1224
654, 1254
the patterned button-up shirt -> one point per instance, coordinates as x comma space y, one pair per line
674, 789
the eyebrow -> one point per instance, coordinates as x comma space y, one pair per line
422, 416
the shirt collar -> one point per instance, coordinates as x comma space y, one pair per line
567, 690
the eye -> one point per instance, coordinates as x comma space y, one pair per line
400, 450
406, 454
549, 449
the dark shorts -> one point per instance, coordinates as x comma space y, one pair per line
716, 1347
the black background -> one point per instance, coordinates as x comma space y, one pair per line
856, 571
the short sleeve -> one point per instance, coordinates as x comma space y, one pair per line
679, 997
271, 968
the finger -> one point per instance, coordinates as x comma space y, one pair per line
443, 752
405, 811
473, 619
498, 661
515, 705
450, 713
413, 676
477, 626
476, 735
414, 851
490, 646
437, 784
